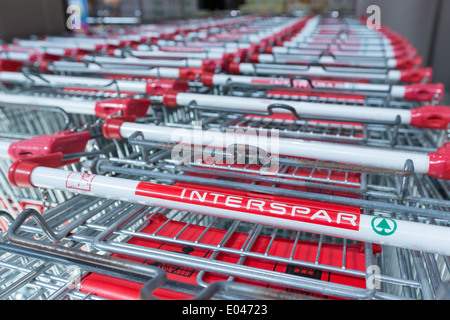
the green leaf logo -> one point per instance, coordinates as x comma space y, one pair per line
383, 226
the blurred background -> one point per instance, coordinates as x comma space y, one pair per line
424, 23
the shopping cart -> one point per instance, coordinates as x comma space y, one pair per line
336, 113
182, 233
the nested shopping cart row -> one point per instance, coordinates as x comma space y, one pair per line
263, 157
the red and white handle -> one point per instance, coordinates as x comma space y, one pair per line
413, 92
431, 117
423, 75
435, 164
102, 108
152, 87
90, 68
65, 142
296, 214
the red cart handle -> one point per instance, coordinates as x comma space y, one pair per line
409, 63
424, 92
158, 87
416, 75
431, 117
10, 65
189, 73
19, 173
111, 126
66, 142
440, 163
125, 106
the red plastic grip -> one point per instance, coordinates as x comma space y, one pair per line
158, 87
189, 73
10, 65
416, 75
406, 51
75, 52
134, 45
126, 106
409, 63
111, 52
424, 92
43, 56
206, 79
439, 166
254, 57
170, 99
66, 142
19, 172
111, 126
242, 53
430, 117
234, 68
103, 47
211, 64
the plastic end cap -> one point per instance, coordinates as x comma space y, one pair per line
10, 65
36, 57
211, 65
409, 63
19, 173
124, 106
158, 87
111, 126
424, 92
431, 117
416, 75
170, 99
268, 50
254, 57
439, 166
66, 142
206, 79
189, 73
